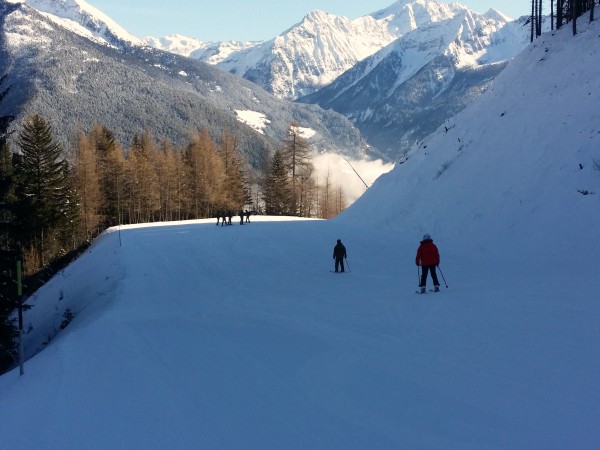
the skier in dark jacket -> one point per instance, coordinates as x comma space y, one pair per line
428, 257
339, 254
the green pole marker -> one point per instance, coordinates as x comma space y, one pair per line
19, 285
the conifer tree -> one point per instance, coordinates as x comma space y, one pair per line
42, 189
69, 232
277, 188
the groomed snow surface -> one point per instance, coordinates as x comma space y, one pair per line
188, 335
197, 336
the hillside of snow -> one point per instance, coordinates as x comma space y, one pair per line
517, 166
188, 335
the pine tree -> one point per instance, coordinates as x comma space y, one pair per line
70, 233
277, 188
42, 189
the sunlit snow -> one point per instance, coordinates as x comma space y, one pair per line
254, 119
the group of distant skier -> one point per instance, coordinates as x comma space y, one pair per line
225, 217
428, 258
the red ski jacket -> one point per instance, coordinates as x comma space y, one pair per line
427, 254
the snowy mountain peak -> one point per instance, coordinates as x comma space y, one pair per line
309, 55
175, 43
317, 15
319, 22
497, 15
404, 15
82, 18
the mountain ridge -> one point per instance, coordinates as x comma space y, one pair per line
331, 60
401, 94
324, 53
131, 88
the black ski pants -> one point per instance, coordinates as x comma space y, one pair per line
339, 261
425, 270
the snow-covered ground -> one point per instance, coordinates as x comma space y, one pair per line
187, 335
197, 336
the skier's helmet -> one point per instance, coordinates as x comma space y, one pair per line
427, 237
339, 241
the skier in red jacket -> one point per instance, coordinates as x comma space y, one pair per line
428, 258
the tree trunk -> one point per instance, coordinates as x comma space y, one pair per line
532, 19
539, 20
559, 14
574, 4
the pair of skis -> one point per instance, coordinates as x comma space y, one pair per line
430, 290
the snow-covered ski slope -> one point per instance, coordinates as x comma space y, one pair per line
197, 336
188, 335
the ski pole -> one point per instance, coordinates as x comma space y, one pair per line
443, 278
348, 265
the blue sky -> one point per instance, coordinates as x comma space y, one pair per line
249, 20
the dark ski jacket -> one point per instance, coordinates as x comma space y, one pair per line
427, 254
339, 251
